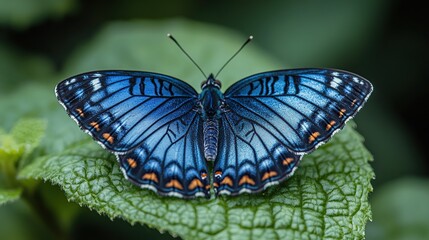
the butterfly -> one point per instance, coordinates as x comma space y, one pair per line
164, 134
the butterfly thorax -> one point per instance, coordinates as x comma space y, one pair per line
211, 102
211, 99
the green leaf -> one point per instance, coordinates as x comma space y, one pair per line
28, 132
401, 210
18, 144
23, 138
23, 13
327, 197
9, 195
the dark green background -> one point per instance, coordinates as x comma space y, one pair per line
385, 41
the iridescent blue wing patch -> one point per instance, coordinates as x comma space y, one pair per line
274, 118
148, 121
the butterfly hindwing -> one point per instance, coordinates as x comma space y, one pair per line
251, 158
136, 115
274, 118
170, 161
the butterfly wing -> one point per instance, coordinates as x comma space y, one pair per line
147, 120
273, 118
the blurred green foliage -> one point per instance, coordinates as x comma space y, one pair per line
18, 68
44, 41
7, 195
20, 14
401, 210
305, 33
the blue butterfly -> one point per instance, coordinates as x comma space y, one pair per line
164, 133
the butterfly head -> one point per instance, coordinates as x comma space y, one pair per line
211, 81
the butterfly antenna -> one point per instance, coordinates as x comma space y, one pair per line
235, 54
183, 50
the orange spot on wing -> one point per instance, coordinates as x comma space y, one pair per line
208, 187
150, 176
246, 179
132, 162
330, 124
175, 184
95, 125
269, 175
342, 111
215, 184
195, 183
227, 180
108, 137
80, 112
287, 161
203, 175
313, 137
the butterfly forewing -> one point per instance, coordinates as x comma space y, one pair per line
302, 107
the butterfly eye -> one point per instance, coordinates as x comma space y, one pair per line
218, 83
203, 83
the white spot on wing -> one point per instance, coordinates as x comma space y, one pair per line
268, 184
199, 194
96, 84
73, 80
245, 190
174, 194
224, 192
305, 126
335, 82
357, 80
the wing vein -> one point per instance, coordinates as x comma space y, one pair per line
158, 117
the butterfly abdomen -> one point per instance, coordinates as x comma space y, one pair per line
211, 134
